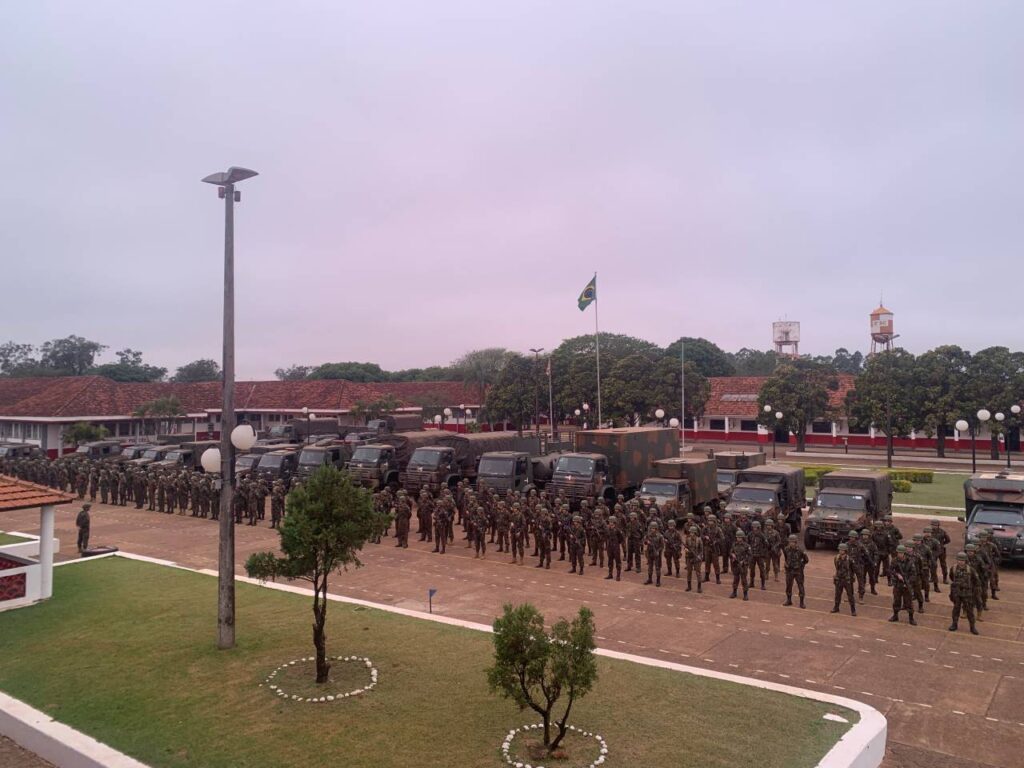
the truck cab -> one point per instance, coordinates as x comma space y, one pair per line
582, 475
751, 496
312, 457
726, 480
18, 451
277, 465
152, 454
100, 449
433, 467
245, 462
505, 471
996, 501
132, 452
374, 466
663, 489
846, 500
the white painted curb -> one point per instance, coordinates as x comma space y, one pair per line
55, 742
863, 746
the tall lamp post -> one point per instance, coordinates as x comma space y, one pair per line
586, 415
225, 182
467, 417
536, 391
963, 425
1015, 410
778, 419
660, 416
447, 415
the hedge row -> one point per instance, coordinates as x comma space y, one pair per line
813, 471
911, 476
902, 486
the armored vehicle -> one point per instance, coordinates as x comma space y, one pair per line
770, 488
847, 500
609, 462
996, 501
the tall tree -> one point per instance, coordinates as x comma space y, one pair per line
710, 359
198, 370
349, 371
16, 359
293, 372
845, 361
162, 408
71, 356
574, 366
129, 367
374, 409
327, 523
753, 362
480, 368
535, 668
942, 388
665, 385
800, 389
513, 395
84, 432
886, 396
630, 388
993, 383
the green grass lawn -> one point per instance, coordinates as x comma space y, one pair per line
6, 538
947, 490
125, 652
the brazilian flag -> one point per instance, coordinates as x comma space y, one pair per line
589, 294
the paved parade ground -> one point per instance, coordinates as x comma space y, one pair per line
951, 699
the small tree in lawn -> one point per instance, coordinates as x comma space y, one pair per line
327, 522
535, 668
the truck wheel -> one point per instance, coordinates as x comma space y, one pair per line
809, 541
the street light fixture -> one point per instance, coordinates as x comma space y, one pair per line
225, 182
673, 422
778, 418
962, 426
586, 415
536, 392
1015, 411
659, 414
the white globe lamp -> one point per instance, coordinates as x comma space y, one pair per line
984, 415
673, 422
659, 414
210, 461
243, 437
962, 426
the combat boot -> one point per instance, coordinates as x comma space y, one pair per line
718, 579
733, 595
952, 627
994, 597
912, 621
835, 609
700, 589
789, 600
609, 576
895, 617
745, 595
853, 611
802, 603
974, 630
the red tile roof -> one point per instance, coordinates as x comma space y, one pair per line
96, 396
737, 395
18, 494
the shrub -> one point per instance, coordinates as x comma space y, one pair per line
912, 475
813, 471
902, 486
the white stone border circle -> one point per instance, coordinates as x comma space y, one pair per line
506, 745
269, 682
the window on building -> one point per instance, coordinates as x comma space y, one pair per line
748, 425
716, 424
856, 429
821, 427
949, 431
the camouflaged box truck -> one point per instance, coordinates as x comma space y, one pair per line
847, 500
690, 481
609, 462
996, 501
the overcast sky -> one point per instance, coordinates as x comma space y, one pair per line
436, 177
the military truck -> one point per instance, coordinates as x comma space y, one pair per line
131, 452
312, 457
186, 455
729, 463
244, 463
152, 454
451, 458
390, 423
689, 481
19, 451
996, 501
99, 449
609, 462
378, 464
845, 501
771, 487
505, 471
300, 430
277, 465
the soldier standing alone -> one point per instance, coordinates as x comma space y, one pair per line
83, 521
654, 546
740, 563
962, 592
843, 579
795, 559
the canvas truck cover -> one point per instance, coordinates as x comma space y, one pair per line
407, 442
994, 488
739, 460
790, 478
877, 485
469, 448
630, 450
701, 475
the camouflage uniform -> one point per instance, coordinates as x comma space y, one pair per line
740, 562
774, 536
843, 579
758, 553
991, 551
654, 546
962, 592
634, 541
694, 547
903, 575
403, 513
940, 535
577, 545
796, 559
673, 548
83, 522
614, 543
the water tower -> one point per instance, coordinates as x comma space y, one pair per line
882, 333
786, 337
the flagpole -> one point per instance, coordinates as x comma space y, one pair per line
597, 347
682, 390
